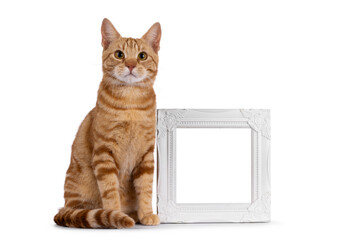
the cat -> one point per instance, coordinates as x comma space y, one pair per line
109, 180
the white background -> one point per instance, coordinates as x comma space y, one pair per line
284, 55
213, 165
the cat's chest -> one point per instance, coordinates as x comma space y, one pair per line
131, 142
129, 133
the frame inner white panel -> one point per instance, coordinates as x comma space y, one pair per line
213, 165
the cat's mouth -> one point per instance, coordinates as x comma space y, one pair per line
130, 78
131, 74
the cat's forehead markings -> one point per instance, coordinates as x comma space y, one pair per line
128, 43
136, 45
131, 43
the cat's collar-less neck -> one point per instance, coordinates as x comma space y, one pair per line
126, 91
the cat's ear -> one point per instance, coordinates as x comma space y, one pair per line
153, 35
109, 33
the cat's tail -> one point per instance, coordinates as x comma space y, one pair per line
93, 218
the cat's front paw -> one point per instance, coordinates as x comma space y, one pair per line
150, 220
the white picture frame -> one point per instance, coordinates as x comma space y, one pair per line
258, 210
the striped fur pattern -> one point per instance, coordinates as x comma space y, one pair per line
109, 181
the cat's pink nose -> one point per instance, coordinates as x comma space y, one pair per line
131, 64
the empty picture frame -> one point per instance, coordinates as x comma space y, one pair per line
250, 144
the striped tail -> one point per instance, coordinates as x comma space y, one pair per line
93, 218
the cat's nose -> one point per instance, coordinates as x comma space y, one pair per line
131, 64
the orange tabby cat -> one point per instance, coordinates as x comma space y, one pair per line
109, 180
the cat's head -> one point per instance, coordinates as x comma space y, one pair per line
129, 61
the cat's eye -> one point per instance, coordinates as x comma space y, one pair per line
119, 54
142, 56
